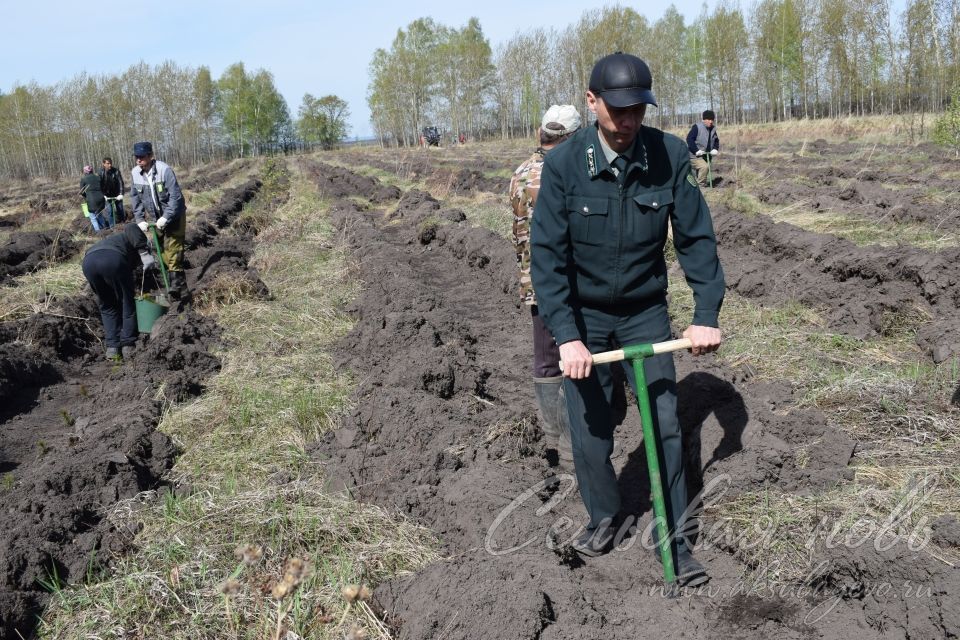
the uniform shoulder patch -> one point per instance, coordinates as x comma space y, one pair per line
692, 179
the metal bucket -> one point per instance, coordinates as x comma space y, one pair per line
148, 311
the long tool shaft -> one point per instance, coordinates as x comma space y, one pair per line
653, 467
163, 267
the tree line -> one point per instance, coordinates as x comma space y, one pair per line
783, 59
190, 117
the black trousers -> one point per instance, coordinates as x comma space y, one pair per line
589, 404
111, 278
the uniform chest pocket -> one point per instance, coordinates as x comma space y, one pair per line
654, 200
588, 219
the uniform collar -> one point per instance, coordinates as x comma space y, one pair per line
152, 169
600, 155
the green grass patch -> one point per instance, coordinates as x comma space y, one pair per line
488, 210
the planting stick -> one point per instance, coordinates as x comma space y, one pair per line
163, 267
709, 170
636, 354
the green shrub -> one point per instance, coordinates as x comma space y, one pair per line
946, 131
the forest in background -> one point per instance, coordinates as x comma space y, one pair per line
782, 59
189, 116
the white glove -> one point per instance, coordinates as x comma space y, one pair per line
161, 223
699, 152
147, 260
714, 152
119, 197
143, 226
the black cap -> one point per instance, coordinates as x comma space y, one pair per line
708, 115
143, 149
622, 80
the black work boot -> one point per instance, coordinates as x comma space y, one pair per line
595, 542
553, 414
179, 293
689, 571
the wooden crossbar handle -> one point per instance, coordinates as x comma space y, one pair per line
622, 354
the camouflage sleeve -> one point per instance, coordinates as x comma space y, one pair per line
523, 196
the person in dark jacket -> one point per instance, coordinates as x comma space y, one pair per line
111, 182
108, 266
607, 196
704, 146
93, 199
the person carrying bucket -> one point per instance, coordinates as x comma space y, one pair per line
154, 190
607, 196
108, 266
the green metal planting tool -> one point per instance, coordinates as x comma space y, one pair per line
636, 354
163, 267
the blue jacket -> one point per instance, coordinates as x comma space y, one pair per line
158, 192
597, 243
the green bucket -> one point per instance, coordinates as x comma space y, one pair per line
148, 312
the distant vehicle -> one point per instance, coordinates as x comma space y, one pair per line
431, 137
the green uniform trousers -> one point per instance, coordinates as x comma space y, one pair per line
171, 243
591, 417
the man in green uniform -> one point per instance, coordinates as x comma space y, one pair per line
599, 229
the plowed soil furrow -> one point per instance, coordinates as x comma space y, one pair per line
445, 430
77, 433
860, 291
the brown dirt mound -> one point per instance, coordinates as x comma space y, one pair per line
445, 430
27, 251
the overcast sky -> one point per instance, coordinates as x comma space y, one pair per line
310, 47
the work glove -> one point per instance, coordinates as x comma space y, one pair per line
148, 261
715, 152
699, 152
143, 226
161, 223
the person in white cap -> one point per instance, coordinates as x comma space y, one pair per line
558, 123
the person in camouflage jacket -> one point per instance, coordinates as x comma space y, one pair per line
559, 122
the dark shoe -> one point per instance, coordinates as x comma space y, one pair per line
114, 354
128, 350
689, 571
595, 542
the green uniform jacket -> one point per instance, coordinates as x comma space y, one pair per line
596, 243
